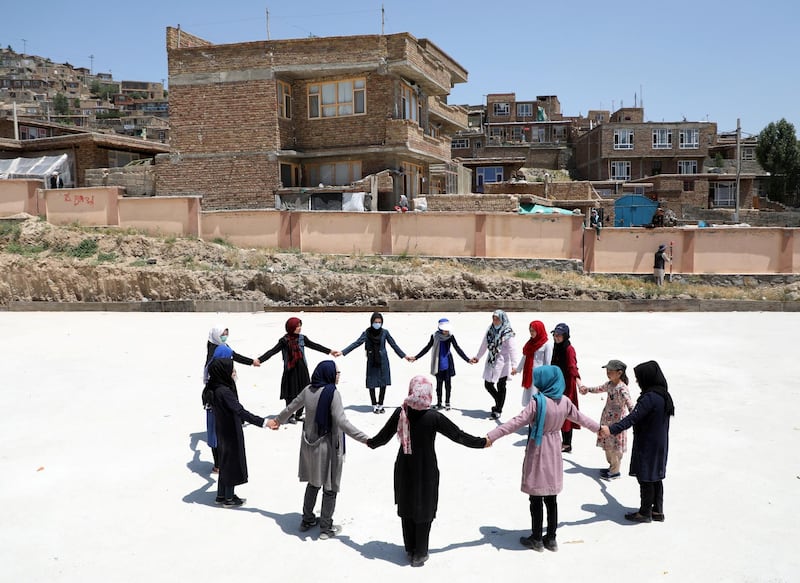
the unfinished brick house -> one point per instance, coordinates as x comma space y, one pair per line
256, 119
628, 148
507, 134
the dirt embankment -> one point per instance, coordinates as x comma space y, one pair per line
40, 262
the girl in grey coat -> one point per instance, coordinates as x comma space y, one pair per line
322, 445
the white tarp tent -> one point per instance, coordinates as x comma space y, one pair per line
41, 168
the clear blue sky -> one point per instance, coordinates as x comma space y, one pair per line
701, 59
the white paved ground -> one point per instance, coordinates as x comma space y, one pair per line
106, 472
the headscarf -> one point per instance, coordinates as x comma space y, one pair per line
550, 382
496, 336
420, 396
295, 354
221, 351
560, 351
215, 333
373, 346
324, 377
530, 348
220, 374
650, 378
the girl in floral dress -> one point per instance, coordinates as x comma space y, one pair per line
617, 405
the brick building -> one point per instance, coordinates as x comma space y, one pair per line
628, 148
252, 120
507, 134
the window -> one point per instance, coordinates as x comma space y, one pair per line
662, 139
284, 100
524, 109
412, 179
724, 193
488, 175
748, 153
334, 174
655, 167
688, 185
409, 108
517, 135
337, 99
497, 134
689, 139
290, 175
459, 143
687, 166
621, 170
501, 108
623, 139
560, 133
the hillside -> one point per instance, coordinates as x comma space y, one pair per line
40, 262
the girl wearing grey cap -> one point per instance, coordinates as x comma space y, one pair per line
564, 358
618, 405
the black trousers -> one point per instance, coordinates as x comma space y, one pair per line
498, 394
416, 536
448, 387
566, 437
379, 400
652, 496
537, 516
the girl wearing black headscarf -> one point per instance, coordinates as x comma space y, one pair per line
374, 340
650, 422
228, 416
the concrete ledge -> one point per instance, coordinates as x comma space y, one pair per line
488, 305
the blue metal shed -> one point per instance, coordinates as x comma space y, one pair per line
634, 210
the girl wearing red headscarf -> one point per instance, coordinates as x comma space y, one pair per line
295, 368
538, 351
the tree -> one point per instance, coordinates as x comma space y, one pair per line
61, 104
779, 154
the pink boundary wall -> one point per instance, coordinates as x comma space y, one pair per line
722, 250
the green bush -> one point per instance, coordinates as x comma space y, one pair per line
85, 248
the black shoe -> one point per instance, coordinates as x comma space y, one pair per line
658, 516
299, 417
604, 472
418, 561
447, 406
566, 448
234, 502
381, 409
550, 544
608, 477
636, 517
307, 525
219, 500
531, 543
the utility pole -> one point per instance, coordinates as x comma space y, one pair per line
268, 24
738, 167
383, 18
24, 46
91, 64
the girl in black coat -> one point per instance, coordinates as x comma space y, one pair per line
228, 416
650, 422
416, 471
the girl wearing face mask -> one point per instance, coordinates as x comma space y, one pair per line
218, 336
374, 340
499, 343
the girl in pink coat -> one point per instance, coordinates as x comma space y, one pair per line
543, 466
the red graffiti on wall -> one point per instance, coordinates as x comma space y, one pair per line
79, 199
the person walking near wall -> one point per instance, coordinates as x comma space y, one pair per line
659, 264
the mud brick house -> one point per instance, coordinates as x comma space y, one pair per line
252, 120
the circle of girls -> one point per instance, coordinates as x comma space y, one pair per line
547, 366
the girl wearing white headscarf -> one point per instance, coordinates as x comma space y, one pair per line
416, 470
499, 343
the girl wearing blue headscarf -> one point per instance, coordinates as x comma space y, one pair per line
543, 467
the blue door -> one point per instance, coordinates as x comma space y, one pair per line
634, 211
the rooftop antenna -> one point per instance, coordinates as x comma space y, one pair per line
24, 46
91, 64
268, 38
383, 18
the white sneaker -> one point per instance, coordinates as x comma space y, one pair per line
376, 409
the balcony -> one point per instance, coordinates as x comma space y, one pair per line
452, 115
408, 135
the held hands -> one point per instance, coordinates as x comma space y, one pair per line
273, 424
604, 432
256, 362
473, 360
488, 442
513, 371
410, 358
335, 353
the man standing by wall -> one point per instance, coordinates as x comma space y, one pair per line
659, 262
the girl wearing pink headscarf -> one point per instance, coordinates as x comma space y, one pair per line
416, 470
